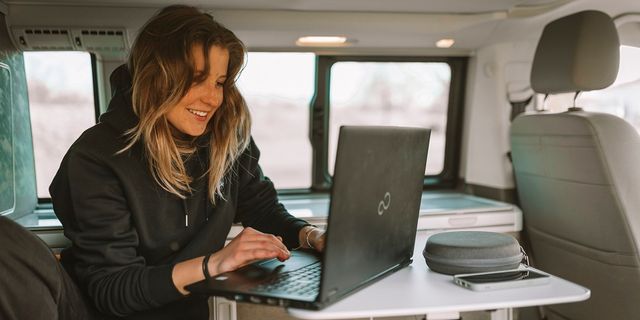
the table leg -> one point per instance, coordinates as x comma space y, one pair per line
222, 309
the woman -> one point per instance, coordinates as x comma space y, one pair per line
149, 194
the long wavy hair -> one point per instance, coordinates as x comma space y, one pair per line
163, 71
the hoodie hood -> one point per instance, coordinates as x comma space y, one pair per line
120, 115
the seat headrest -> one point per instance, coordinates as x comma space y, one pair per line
580, 52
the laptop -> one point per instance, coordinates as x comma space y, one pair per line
371, 229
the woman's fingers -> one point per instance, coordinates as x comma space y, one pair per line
266, 240
231, 258
259, 245
249, 246
255, 255
250, 234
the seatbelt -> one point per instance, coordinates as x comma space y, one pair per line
519, 102
518, 106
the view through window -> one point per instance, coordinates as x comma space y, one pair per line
278, 88
60, 86
391, 93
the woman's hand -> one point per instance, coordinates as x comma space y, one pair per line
248, 246
316, 238
311, 237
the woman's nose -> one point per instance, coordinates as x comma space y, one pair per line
212, 96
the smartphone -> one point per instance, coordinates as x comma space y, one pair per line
501, 279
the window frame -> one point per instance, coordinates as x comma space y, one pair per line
8, 212
320, 110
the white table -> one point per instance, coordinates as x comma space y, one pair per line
415, 290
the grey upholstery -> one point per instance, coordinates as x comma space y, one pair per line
576, 53
579, 185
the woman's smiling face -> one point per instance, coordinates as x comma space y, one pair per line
194, 111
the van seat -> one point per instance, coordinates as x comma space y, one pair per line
577, 176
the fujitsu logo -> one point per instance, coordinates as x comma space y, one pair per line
384, 203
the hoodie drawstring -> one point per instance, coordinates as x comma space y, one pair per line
186, 213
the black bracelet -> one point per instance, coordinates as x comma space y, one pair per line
205, 267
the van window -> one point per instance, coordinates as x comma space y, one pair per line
61, 103
7, 157
278, 87
620, 99
391, 93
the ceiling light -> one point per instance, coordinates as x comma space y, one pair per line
322, 41
445, 43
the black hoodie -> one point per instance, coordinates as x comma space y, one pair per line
128, 232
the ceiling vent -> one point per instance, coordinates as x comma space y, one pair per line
38, 38
109, 43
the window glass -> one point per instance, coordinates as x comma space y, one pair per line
7, 158
278, 88
620, 99
61, 103
391, 93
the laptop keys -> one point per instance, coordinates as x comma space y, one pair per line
304, 282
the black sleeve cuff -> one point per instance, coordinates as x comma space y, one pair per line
160, 284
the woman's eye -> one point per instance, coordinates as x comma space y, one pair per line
220, 84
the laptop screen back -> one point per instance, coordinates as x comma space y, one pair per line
375, 203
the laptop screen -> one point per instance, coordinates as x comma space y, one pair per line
375, 203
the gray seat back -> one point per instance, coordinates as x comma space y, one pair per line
576, 174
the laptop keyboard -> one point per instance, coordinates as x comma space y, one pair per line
304, 281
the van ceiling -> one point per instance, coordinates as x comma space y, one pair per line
413, 6
403, 27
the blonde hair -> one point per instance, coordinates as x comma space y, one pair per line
163, 70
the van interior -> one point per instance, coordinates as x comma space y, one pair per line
544, 152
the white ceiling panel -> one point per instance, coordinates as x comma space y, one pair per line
413, 6
385, 24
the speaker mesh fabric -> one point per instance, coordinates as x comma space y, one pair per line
462, 252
